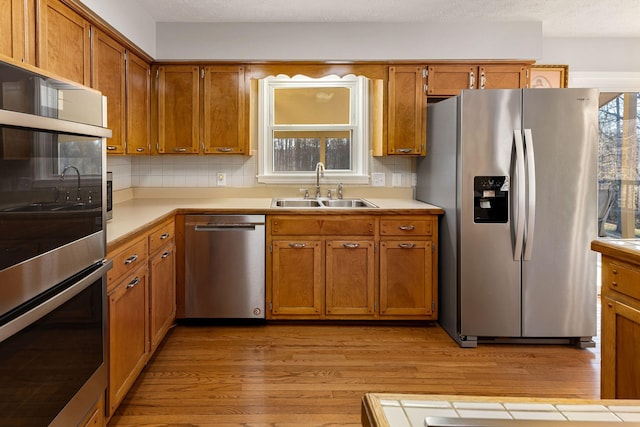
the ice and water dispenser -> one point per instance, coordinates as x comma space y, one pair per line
490, 199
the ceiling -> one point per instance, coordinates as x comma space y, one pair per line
560, 18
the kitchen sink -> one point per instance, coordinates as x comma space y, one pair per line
322, 203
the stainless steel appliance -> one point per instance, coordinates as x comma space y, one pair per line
109, 195
225, 267
515, 171
52, 249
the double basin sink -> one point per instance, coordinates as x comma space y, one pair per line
321, 203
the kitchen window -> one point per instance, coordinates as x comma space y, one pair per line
303, 121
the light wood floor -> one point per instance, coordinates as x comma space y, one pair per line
292, 375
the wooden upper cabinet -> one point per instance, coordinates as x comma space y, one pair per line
446, 80
138, 105
17, 30
499, 76
63, 42
108, 76
178, 94
223, 121
407, 111
449, 80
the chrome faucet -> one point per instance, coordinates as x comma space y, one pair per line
78, 173
319, 173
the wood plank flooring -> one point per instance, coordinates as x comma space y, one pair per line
314, 375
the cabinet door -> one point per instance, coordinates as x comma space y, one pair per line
350, 277
407, 111
620, 373
178, 109
449, 80
128, 335
108, 76
223, 121
296, 285
505, 76
406, 278
138, 105
162, 293
12, 30
63, 42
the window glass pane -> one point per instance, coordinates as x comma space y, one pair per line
311, 105
618, 175
302, 150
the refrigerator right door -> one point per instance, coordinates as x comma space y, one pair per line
559, 269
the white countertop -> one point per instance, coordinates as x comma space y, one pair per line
134, 214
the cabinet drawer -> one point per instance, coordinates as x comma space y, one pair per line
127, 259
622, 277
346, 226
161, 235
406, 227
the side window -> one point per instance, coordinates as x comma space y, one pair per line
304, 121
618, 165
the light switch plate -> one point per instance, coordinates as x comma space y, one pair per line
221, 179
377, 179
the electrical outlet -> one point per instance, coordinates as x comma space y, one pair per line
396, 180
377, 179
414, 179
221, 179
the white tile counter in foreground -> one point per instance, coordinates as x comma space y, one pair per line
407, 410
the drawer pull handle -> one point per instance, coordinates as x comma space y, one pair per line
407, 227
297, 245
164, 236
224, 149
166, 254
180, 150
405, 150
351, 245
111, 148
133, 283
139, 149
131, 259
406, 245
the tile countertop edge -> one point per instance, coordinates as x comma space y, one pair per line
373, 414
136, 215
625, 249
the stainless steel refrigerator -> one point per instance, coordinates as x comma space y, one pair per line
516, 173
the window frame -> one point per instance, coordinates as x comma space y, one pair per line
359, 126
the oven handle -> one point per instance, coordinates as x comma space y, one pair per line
16, 325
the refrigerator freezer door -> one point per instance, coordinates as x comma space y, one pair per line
489, 277
559, 281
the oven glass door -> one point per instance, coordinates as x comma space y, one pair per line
45, 362
51, 191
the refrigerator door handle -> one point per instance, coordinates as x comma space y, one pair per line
531, 190
520, 184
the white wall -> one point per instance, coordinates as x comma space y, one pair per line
593, 54
349, 41
129, 19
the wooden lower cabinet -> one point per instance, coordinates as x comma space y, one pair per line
95, 417
352, 267
128, 334
350, 277
297, 275
620, 358
141, 295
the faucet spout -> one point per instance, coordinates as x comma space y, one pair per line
64, 171
319, 173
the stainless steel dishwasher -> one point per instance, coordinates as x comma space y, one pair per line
225, 266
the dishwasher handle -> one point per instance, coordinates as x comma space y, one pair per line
224, 227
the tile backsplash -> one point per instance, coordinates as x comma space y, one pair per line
201, 171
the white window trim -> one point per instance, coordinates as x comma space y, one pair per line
360, 123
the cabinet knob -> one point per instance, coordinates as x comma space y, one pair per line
614, 283
609, 305
614, 271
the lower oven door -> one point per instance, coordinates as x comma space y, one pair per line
52, 353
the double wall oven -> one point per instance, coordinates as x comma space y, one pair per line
52, 249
